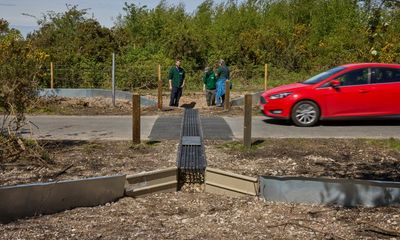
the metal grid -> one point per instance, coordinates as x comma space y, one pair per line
191, 160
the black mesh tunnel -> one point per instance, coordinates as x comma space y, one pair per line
191, 160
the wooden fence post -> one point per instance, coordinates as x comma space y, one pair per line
248, 105
160, 85
113, 79
51, 75
227, 95
266, 77
135, 118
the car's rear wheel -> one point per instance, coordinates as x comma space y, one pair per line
305, 114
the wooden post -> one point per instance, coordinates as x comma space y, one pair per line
113, 79
247, 120
51, 75
227, 95
160, 85
136, 119
266, 77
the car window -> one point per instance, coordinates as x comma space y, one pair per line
385, 75
324, 75
355, 77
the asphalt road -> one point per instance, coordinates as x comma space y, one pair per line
155, 128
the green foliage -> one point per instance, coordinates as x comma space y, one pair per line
296, 37
394, 144
391, 143
20, 64
232, 146
91, 147
238, 147
80, 45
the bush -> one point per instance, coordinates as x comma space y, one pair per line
20, 66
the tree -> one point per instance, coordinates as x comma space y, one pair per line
20, 65
77, 43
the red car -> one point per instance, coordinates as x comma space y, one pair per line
352, 90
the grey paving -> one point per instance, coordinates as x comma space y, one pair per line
166, 128
216, 128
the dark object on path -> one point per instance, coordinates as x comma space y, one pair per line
189, 105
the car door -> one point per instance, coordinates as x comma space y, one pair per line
351, 98
386, 95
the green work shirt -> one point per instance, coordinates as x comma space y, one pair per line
223, 72
177, 75
210, 80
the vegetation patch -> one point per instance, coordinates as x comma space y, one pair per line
391, 143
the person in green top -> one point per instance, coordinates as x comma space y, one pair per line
210, 83
176, 78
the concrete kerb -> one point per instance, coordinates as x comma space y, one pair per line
29, 200
47, 198
340, 192
89, 93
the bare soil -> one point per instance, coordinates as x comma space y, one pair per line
332, 158
104, 106
207, 216
184, 215
81, 159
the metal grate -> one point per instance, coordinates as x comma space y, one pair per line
191, 123
191, 160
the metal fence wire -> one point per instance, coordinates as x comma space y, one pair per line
133, 77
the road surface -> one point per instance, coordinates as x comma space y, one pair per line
157, 128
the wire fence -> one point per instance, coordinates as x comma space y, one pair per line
134, 77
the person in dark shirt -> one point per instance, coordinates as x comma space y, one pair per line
176, 78
222, 74
209, 81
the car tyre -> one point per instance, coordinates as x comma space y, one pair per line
305, 114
